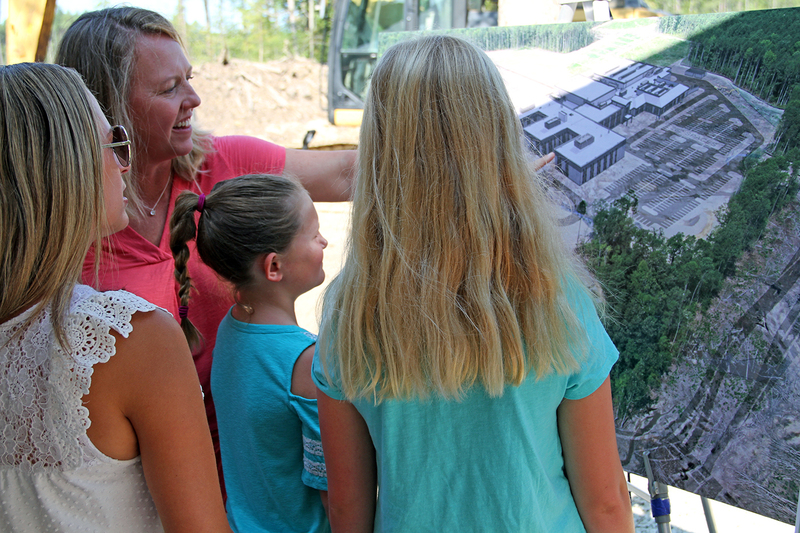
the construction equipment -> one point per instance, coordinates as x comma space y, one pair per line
357, 24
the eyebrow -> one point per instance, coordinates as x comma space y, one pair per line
181, 76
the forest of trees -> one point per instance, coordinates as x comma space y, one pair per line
255, 30
759, 51
562, 38
696, 7
258, 30
788, 135
656, 286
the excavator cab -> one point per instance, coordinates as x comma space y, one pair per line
353, 50
357, 24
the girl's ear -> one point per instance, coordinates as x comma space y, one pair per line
273, 269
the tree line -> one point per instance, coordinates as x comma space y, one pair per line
694, 7
254, 30
759, 51
562, 38
257, 30
657, 286
788, 135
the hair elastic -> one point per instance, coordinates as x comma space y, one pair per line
201, 202
183, 311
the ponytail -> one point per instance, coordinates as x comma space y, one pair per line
241, 219
182, 230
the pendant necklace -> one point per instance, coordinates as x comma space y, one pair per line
152, 210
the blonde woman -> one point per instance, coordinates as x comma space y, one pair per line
462, 369
132, 59
101, 416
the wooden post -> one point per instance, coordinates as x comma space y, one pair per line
28, 30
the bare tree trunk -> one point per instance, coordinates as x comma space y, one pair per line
208, 28
223, 56
736, 78
311, 24
293, 24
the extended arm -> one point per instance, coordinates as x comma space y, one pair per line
350, 461
327, 175
591, 459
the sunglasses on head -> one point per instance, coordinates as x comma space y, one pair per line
121, 144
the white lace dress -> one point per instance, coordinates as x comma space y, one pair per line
52, 478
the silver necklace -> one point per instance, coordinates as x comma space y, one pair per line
153, 209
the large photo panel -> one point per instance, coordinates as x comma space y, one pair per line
676, 172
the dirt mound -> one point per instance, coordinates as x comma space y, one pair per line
278, 101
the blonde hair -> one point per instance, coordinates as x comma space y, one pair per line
241, 219
51, 188
101, 46
455, 272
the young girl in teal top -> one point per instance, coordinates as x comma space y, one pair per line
462, 366
261, 234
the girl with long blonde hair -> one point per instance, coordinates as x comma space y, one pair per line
462, 367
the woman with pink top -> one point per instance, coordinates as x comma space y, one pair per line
133, 61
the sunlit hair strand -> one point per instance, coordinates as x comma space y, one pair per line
455, 273
51, 186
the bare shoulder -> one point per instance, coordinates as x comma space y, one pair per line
153, 327
153, 335
302, 384
156, 339
160, 395
154, 361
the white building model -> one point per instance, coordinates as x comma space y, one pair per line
576, 124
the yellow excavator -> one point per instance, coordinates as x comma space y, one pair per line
357, 24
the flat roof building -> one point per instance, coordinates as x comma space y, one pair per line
583, 147
576, 123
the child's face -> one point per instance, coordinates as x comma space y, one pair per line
302, 261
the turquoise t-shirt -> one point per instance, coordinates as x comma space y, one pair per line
480, 464
271, 449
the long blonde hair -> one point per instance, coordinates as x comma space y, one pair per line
51, 185
101, 46
455, 272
